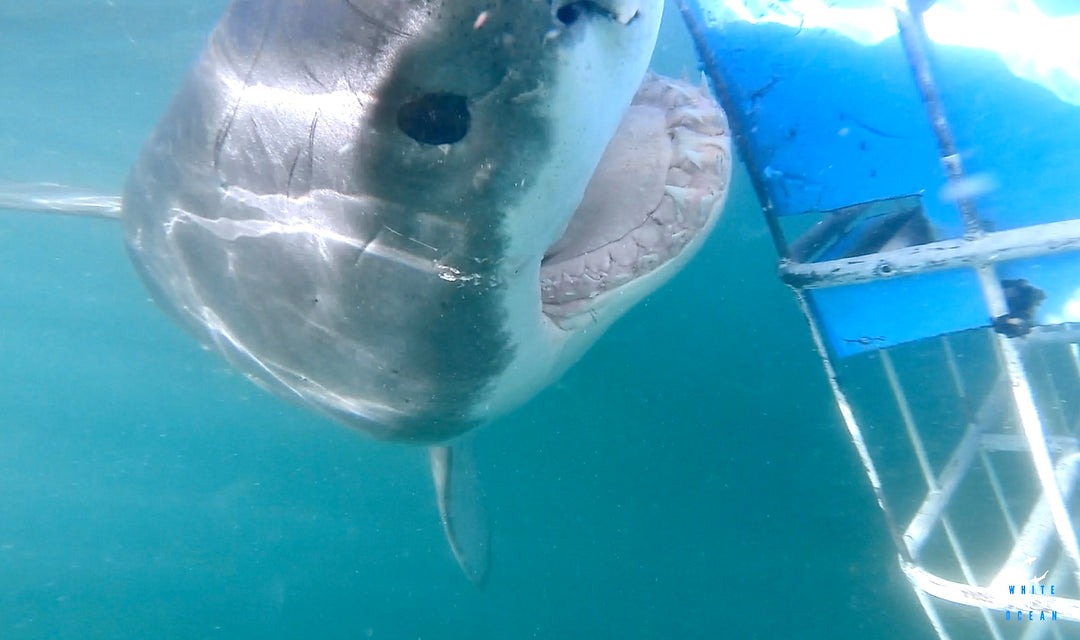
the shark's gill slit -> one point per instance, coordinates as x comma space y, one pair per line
435, 118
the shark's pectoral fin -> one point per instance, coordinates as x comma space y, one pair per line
461, 509
50, 197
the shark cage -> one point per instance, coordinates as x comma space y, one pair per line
918, 164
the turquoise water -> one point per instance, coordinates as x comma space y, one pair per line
687, 479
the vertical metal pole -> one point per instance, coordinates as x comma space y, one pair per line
913, 37
852, 425
739, 126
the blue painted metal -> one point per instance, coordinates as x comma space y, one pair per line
828, 123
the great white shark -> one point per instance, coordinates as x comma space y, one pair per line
413, 215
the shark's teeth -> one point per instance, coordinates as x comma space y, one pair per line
624, 254
696, 186
666, 214
679, 194
677, 177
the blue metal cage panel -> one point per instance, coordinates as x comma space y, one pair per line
826, 123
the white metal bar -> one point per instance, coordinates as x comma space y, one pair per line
852, 426
922, 523
1017, 442
930, 610
1040, 455
909, 420
1053, 404
975, 440
1075, 351
998, 246
1056, 578
913, 37
954, 373
1031, 424
931, 481
1038, 530
999, 494
1000, 600
1064, 333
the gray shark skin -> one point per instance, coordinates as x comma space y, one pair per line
282, 213
413, 215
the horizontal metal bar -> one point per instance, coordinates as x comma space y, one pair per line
998, 246
1017, 443
998, 599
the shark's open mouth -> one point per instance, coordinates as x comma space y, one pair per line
656, 193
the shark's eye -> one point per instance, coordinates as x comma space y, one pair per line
569, 13
435, 118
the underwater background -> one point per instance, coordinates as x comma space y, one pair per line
689, 478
